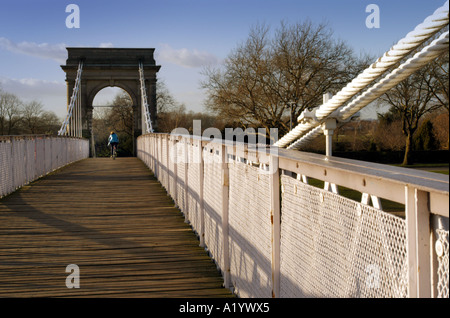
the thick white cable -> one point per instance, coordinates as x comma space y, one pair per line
73, 100
419, 60
412, 40
311, 135
425, 56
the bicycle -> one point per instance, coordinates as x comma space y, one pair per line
114, 154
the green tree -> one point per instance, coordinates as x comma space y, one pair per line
412, 100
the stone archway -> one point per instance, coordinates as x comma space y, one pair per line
103, 67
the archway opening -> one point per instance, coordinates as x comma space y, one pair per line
113, 110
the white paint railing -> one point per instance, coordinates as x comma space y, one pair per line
27, 158
273, 233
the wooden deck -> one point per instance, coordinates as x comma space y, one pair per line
113, 219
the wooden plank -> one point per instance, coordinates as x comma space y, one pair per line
113, 219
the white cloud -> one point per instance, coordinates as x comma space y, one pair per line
186, 58
31, 86
106, 44
51, 94
55, 52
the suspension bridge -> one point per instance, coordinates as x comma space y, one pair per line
196, 216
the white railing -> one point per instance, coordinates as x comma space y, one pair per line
24, 159
273, 233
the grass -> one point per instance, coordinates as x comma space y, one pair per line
440, 171
432, 167
387, 205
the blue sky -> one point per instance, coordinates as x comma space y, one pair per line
187, 35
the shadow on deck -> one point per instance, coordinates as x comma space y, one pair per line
114, 220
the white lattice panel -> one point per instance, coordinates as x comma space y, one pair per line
181, 176
442, 251
56, 154
172, 172
164, 178
6, 168
30, 159
158, 158
332, 246
212, 198
24, 159
19, 163
250, 231
40, 157
194, 190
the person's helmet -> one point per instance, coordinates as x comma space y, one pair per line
112, 132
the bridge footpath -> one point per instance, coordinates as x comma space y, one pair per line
114, 221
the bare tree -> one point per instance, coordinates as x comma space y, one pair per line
438, 80
265, 77
175, 118
10, 112
120, 116
49, 123
411, 99
164, 99
441, 128
31, 114
2, 112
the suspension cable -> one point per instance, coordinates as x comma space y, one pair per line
426, 55
424, 31
73, 100
144, 99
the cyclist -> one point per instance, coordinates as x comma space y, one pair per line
113, 141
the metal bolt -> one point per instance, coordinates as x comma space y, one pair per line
439, 248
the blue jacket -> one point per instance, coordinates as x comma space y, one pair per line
113, 138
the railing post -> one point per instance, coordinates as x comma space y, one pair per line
174, 146
225, 224
423, 244
153, 147
275, 216
186, 176
51, 153
166, 141
44, 157
418, 242
157, 156
200, 194
12, 186
411, 241
328, 129
26, 164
